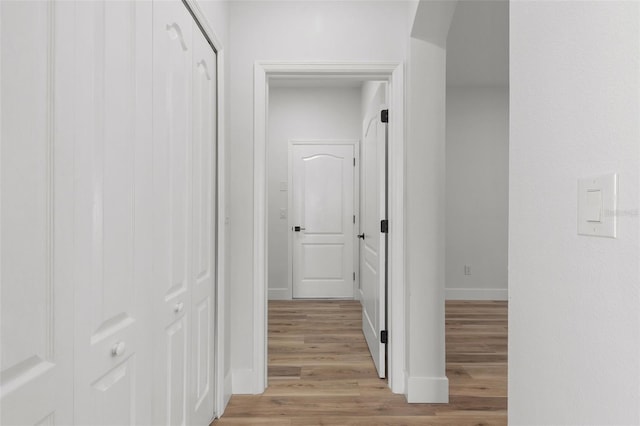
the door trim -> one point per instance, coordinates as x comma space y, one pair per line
356, 207
222, 382
393, 74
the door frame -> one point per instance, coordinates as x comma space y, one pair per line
393, 74
222, 382
356, 205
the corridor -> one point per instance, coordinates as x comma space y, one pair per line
321, 373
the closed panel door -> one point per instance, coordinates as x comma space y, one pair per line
203, 269
322, 185
36, 320
172, 163
110, 108
372, 245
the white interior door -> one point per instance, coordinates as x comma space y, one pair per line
372, 245
36, 233
203, 270
112, 96
322, 188
172, 164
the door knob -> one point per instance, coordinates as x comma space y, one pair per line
299, 228
177, 308
361, 236
118, 349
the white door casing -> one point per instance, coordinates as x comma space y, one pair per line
322, 188
36, 348
203, 271
373, 245
393, 73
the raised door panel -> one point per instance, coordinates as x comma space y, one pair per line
36, 326
204, 122
172, 177
108, 294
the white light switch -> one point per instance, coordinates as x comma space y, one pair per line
593, 208
597, 199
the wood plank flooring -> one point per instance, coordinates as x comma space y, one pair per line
321, 373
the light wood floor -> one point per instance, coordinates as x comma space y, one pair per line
321, 373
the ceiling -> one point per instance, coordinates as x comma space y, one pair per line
478, 44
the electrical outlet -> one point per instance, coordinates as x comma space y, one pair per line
283, 213
467, 269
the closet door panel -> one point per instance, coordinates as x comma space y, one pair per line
172, 163
109, 297
36, 312
203, 235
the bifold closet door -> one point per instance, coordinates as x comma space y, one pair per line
36, 284
112, 185
203, 272
184, 181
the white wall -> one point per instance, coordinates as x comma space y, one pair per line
300, 113
574, 325
367, 93
425, 222
477, 175
286, 30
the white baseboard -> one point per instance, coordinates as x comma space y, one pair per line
242, 382
427, 390
228, 390
476, 294
279, 294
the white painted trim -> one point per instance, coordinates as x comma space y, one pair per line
280, 293
394, 74
243, 381
260, 249
476, 294
356, 203
204, 23
222, 384
434, 390
228, 384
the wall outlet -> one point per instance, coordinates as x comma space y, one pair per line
283, 213
467, 269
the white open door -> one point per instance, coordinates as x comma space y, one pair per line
322, 185
372, 240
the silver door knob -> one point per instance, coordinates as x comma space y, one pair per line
178, 307
118, 349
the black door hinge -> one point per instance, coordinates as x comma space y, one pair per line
384, 226
354, 276
384, 337
384, 115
